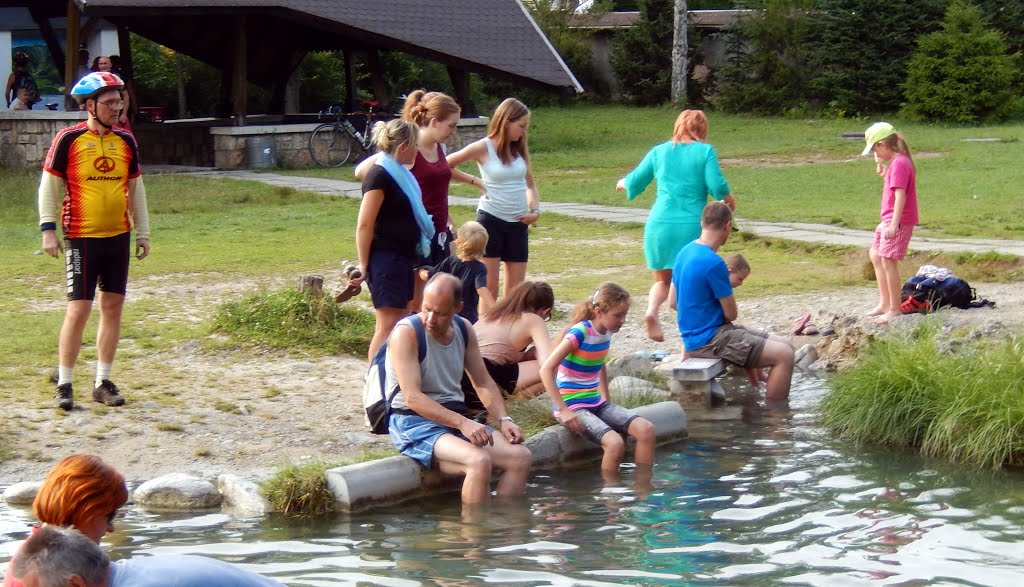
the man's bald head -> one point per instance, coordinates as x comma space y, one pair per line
445, 283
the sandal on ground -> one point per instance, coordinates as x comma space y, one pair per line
344, 295
801, 324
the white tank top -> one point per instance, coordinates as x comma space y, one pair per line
506, 186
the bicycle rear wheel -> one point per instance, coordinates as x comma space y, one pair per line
329, 145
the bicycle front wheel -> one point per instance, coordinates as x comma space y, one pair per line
329, 145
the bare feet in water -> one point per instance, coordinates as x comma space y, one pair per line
888, 316
654, 331
878, 311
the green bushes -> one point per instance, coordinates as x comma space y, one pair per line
962, 74
954, 398
290, 318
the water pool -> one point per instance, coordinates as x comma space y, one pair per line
769, 499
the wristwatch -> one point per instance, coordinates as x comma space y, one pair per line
506, 419
535, 211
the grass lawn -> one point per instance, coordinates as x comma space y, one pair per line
784, 169
210, 232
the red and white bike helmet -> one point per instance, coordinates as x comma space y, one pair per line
95, 84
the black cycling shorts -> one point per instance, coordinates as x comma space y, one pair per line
96, 262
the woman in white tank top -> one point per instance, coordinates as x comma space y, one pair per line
509, 202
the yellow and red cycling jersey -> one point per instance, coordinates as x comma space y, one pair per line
96, 170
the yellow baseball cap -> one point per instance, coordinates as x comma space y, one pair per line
875, 133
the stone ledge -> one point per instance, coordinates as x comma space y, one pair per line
396, 479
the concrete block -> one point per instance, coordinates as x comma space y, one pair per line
691, 394
373, 481
695, 369
546, 447
669, 419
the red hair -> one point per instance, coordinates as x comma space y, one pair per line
691, 125
78, 489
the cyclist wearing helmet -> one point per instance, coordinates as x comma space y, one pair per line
92, 169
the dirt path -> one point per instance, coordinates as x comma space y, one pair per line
207, 412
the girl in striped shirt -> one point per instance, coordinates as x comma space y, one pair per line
574, 375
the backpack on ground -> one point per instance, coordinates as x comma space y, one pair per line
926, 294
376, 397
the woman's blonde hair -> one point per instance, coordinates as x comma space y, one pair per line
472, 241
607, 296
691, 125
510, 110
388, 136
422, 106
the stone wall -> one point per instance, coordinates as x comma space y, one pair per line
185, 142
25, 137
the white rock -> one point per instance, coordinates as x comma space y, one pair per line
23, 493
630, 364
242, 496
805, 356
178, 491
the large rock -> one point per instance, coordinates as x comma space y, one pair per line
242, 496
805, 356
23, 493
178, 491
626, 386
631, 364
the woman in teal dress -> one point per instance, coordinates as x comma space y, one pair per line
686, 169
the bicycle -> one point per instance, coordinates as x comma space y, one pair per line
331, 143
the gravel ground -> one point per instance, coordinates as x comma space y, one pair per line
210, 412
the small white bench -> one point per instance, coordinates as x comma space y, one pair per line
692, 381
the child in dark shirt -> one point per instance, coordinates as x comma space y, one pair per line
470, 242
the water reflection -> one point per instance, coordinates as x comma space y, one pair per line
766, 498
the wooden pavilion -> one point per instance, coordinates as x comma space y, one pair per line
264, 41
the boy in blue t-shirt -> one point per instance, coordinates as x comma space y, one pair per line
706, 309
470, 243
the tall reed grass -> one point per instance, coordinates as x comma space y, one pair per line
956, 398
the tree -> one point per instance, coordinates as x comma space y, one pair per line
679, 53
767, 70
640, 55
858, 50
556, 19
962, 74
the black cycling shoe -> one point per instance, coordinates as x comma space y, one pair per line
108, 394
65, 397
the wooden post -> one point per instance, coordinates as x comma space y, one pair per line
239, 73
380, 87
71, 57
350, 80
311, 284
460, 81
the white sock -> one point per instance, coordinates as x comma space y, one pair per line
64, 374
103, 372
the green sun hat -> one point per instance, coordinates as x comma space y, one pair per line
875, 133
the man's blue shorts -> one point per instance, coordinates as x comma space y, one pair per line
414, 436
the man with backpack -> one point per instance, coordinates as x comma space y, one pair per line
429, 421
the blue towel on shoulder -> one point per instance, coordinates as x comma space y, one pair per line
405, 180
